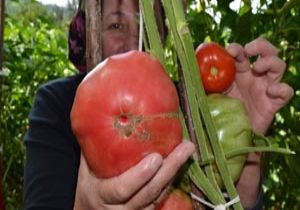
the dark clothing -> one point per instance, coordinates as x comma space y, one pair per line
52, 152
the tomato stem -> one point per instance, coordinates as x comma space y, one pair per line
202, 182
214, 71
152, 31
245, 150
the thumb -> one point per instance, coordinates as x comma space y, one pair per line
120, 188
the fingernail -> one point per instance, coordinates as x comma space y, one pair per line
189, 145
185, 150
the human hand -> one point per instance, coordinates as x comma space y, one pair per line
263, 94
259, 87
138, 188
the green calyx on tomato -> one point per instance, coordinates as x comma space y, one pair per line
124, 109
216, 66
233, 129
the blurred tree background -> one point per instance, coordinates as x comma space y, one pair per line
35, 51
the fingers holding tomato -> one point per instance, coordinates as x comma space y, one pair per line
260, 46
259, 85
237, 51
137, 188
164, 176
120, 189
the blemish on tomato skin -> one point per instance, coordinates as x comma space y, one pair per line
144, 135
126, 124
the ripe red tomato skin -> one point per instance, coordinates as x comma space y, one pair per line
176, 200
131, 86
213, 57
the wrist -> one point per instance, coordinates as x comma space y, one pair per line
249, 184
258, 204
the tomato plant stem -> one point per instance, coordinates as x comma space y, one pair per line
156, 47
184, 40
187, 82
201, 181
246, 150
192, 133
158, 52
197, 175
197, 121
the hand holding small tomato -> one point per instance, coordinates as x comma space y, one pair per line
263, 94
259, 87
137, 188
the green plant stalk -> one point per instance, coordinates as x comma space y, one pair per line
286, 8
246, 150
201, 181
7, 169
191, 95
186, 40
184, 127
193, 136
156, 47
198, 176
158, 52
145, 41
188, 82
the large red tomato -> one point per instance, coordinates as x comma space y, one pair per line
216, 66
176, 200
124, 109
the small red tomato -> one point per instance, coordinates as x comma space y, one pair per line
217, 67
176, 200
124, 109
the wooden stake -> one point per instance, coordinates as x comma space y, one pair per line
93, 22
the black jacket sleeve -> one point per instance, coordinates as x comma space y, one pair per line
52, 152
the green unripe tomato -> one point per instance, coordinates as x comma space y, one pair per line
233, 130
